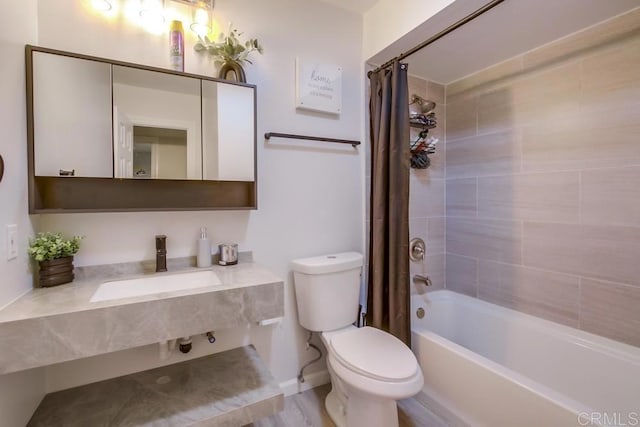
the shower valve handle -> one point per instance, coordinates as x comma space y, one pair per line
416, 249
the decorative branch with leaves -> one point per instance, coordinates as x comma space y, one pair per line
228, 47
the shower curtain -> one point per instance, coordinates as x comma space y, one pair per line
388, 285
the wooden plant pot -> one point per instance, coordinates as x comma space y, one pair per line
56, 272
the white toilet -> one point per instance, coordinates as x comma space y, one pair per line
370, 369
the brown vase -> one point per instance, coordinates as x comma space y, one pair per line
56, 272
234, 70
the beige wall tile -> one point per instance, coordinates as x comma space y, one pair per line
417, 86
601, 252
535, 98
439, 130
568, 147
602, 133
552, 246
436, 270
602, 109
462, 119
432, 267
492, 154
418, 228
484, 239
611, 196
611, 253
498, 110
426, 197
534, 197
611, 310
435, 236
462, 275
435, 92
615, 67
461, 197
584, 42
570, 109
552, 296
484, 80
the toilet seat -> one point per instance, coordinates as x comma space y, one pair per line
374, 354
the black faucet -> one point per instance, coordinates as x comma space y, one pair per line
161, 253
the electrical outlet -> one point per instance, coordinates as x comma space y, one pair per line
12, 241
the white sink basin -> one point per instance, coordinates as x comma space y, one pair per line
154, 285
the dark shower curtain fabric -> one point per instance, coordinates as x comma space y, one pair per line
388, 287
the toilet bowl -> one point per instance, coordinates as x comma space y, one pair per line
370, 369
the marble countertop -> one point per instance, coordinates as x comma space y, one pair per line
76, 296
52, 325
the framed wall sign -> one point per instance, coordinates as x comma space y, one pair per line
318, 86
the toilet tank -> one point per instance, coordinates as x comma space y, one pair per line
327, 290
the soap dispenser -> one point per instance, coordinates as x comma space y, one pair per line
204, 249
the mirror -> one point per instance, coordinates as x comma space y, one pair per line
159, 153
228, 112
102, 120
71, 116
105, 135
158, 116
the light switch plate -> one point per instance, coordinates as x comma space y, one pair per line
12, 241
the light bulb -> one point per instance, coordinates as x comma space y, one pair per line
101, 5
152, 12
201, 24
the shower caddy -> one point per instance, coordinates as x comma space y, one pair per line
422, 116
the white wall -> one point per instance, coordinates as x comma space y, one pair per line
389, 20
20, 393
310, 195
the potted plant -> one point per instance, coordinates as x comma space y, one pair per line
54, 255
229, 53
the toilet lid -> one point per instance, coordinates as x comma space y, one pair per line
375, 354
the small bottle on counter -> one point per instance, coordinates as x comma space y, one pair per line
204, 250
176, 46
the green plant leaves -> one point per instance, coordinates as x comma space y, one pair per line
48, 246
228, 47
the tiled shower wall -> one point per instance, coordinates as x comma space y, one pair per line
426, 198
426, 194
543, 182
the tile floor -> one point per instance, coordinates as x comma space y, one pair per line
307, 409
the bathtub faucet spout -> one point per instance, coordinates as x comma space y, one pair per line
422, 279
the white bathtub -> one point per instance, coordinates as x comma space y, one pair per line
485, 365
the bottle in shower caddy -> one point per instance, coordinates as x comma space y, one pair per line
176, 46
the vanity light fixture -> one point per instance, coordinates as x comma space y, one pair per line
152, 12
102, 5
201, 19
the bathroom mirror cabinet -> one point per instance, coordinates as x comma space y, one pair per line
107, 135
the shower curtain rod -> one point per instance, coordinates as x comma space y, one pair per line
438, 36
